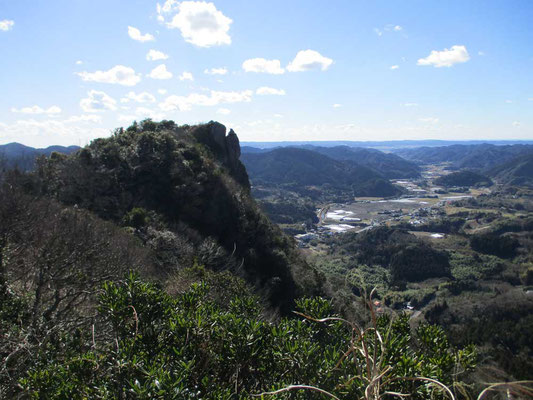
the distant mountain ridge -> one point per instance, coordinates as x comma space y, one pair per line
23, 157
383, 145
388, 165
481, 157
299, 166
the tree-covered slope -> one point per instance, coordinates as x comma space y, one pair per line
305, 167
480, 157
182, 187
391, 166
463, 178
23, 157
518, 171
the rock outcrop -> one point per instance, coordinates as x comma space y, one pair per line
228, 150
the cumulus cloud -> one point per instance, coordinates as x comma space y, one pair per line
6, 25
160, 72
119, 75
37, 110
516, 124
308, 60
155, 55
263, 65
446, 58
393, 67
162, 91
77, 129
143, 97
97, 102
186, 76
337, 105
199, 22
143, 113
185, 103
135, 34
216, 71
265, 90
79, 62
223, 111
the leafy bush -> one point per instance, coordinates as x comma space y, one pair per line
190, 346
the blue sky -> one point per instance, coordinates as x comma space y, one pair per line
73, 70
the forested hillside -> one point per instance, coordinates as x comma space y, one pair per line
480, 156
389, 165
310, 168
23, 157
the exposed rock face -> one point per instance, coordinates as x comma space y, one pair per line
229, 151
233, 147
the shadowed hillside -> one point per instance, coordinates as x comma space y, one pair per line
305, 167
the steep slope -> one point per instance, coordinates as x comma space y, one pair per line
305, 167
389, 165
190, 183
518, 171
480, 157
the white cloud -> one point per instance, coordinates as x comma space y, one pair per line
79, 62
135, 34
446, 58
160, 72
516, 124
126, 119
155, 55
480, 53
307, 60
508, 101
143, 97
223, 111
186, 76
278, 115
97, 102
397, 28
185, 103
37, 110
378, 32
6, 25
162, 91
77, 129
263, 65
83, 118
411, 105
393, 67
143, 113
119, 74
216, 71
199, 22
265, 90
337, 105
429, 120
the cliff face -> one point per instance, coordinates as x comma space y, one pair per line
226, 148
192, 180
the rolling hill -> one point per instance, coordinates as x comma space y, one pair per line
481, 157
309, 168
23, 157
